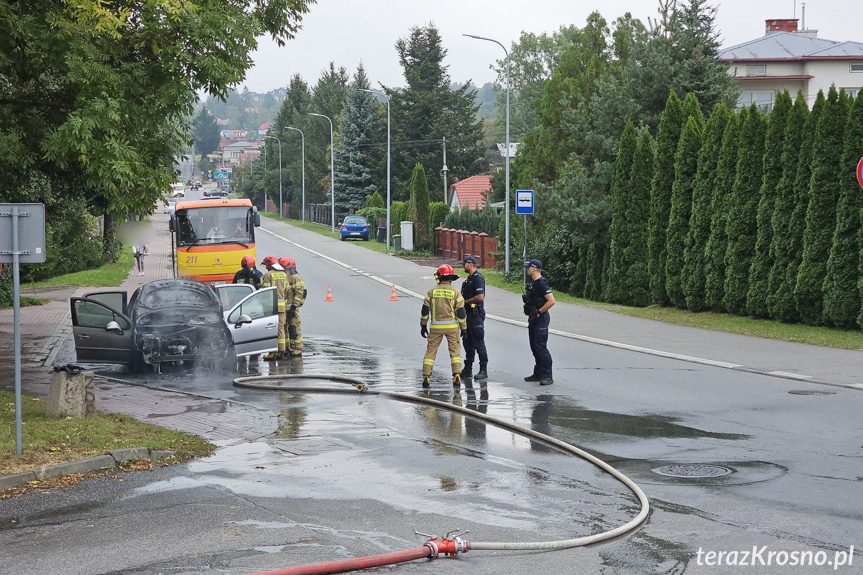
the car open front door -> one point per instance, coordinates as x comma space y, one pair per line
232, 294
261, 334
102, 334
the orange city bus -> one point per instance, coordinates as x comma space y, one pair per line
211, 236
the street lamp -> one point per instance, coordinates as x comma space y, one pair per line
332, 174
303, 140
387, 98
281, 211
507, 141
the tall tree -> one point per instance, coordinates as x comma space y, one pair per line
695, 254
660, 197
635, 280
621, 193
532, 61
103, 91
206, 133
328, 98
786, 301
821, 214
780, 302
353, 175
294, 113
420, 208
743, 211
841, 294
717, 243
426, 111
685, 170
759, 271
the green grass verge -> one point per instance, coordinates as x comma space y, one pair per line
797, 333
108, 275
48, 441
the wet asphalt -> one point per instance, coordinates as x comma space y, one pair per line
728, 458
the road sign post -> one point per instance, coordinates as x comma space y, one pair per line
524, 205
25, 244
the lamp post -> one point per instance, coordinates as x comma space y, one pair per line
332, 174
281, 211
303, 140
507, 140
387, 98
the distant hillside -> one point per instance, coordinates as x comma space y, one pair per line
485, 97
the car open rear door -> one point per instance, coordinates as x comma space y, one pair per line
102, 334
261, 335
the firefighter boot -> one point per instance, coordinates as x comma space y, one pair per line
482, 373
467, 371
456, 380
426, 381
270, 356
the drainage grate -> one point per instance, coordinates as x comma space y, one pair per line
810, 392
693, 470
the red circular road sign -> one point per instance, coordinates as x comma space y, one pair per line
860, 172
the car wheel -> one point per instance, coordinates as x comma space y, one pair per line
137, 365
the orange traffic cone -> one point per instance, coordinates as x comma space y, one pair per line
329, 294
393, 297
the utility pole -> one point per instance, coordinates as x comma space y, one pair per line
445, 170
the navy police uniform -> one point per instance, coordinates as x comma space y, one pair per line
537, 327
474, 342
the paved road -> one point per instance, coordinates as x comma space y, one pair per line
345, 476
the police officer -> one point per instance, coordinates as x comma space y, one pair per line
248, 273
277, 277
537, 301
473, 292
443, 315
295, 297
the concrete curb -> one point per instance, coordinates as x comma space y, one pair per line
111, 458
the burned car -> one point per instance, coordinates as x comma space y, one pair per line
173, 321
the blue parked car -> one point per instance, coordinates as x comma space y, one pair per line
354, 227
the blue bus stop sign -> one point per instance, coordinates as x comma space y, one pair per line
524, 202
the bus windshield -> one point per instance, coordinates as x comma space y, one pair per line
215, 225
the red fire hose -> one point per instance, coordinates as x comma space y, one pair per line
355, 564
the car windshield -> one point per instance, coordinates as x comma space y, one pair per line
215, 225
168, 297
356, 220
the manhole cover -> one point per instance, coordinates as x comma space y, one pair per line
691, 470
810, 392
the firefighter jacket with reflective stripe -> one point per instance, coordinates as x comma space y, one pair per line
442, 302
280, 280
295, 294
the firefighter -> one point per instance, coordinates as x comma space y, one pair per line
277, 277
295, 297
443, 315
248, 273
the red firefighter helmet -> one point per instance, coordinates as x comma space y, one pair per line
269, 260
445, 273
248, 261
287, 262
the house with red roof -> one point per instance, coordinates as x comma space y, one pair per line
470, 193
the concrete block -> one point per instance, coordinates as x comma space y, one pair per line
15, 479
82, 466
71, 394
121, 455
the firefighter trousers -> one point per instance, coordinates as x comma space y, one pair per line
295, 334
435, 337
283, 330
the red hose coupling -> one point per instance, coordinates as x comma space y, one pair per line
449, 547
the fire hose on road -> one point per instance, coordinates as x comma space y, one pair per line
449, 544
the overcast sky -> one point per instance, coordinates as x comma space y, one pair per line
349, 31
